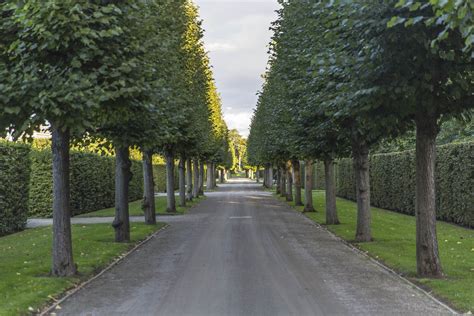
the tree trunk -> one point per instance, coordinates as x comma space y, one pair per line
214, 170
427, 256
189, 180
63, 262
182, 182
196, 179
222, 176
265, 177
209, 181
201, 178
170, 199
308, 186
148, 189
123, 175
289, 183
270, 176
297, 177
278, 182
331, 211
361, 171
283, 181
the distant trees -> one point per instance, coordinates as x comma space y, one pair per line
133, 72
343, 76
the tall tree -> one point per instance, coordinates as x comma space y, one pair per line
61, 63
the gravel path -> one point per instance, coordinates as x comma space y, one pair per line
242, 252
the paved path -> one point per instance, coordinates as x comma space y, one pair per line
241, 252
39, 222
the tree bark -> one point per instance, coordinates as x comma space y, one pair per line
209, 181
189, 180
283, 181
257, 175
278, 182
308, 186
331, 211
170, 198
427, 256
214, 170
123, 175
196, 179
201, 178
62, 259
289, 182
361, 171
148, 189
182, 182
265, 177
222, 176
270, 176
297, 177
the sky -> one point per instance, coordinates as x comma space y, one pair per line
237, 36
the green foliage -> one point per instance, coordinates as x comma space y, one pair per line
65, 60
14, 178
238, 146
92, 183
455, 16
452, 131
392, 179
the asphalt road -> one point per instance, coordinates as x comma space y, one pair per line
241, 252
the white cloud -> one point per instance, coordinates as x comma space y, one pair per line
237, 35
215, 47
240, 121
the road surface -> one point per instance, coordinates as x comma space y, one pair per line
242, 252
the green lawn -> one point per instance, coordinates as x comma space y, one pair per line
394, 244
135, 208
25, 260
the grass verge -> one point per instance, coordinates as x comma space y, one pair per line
25, 260
135, 208
394, 245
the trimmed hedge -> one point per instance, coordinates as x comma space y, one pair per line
159, 177
14, 178
392, 180
92, 183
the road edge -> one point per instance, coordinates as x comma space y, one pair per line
373, 260
52, 307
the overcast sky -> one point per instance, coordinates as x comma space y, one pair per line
237, 36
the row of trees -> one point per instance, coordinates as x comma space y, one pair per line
345, 75
133, 72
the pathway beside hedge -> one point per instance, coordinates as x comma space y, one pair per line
26, 183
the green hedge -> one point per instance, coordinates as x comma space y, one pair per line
14, 178
392, 180
92, 183
159, 177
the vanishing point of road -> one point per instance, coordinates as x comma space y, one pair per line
242, 252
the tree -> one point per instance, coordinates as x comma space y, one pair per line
439, 83
61, 64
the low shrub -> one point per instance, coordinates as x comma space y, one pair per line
14, 178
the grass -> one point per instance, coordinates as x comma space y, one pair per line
135, 208
25, 260
394, 245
